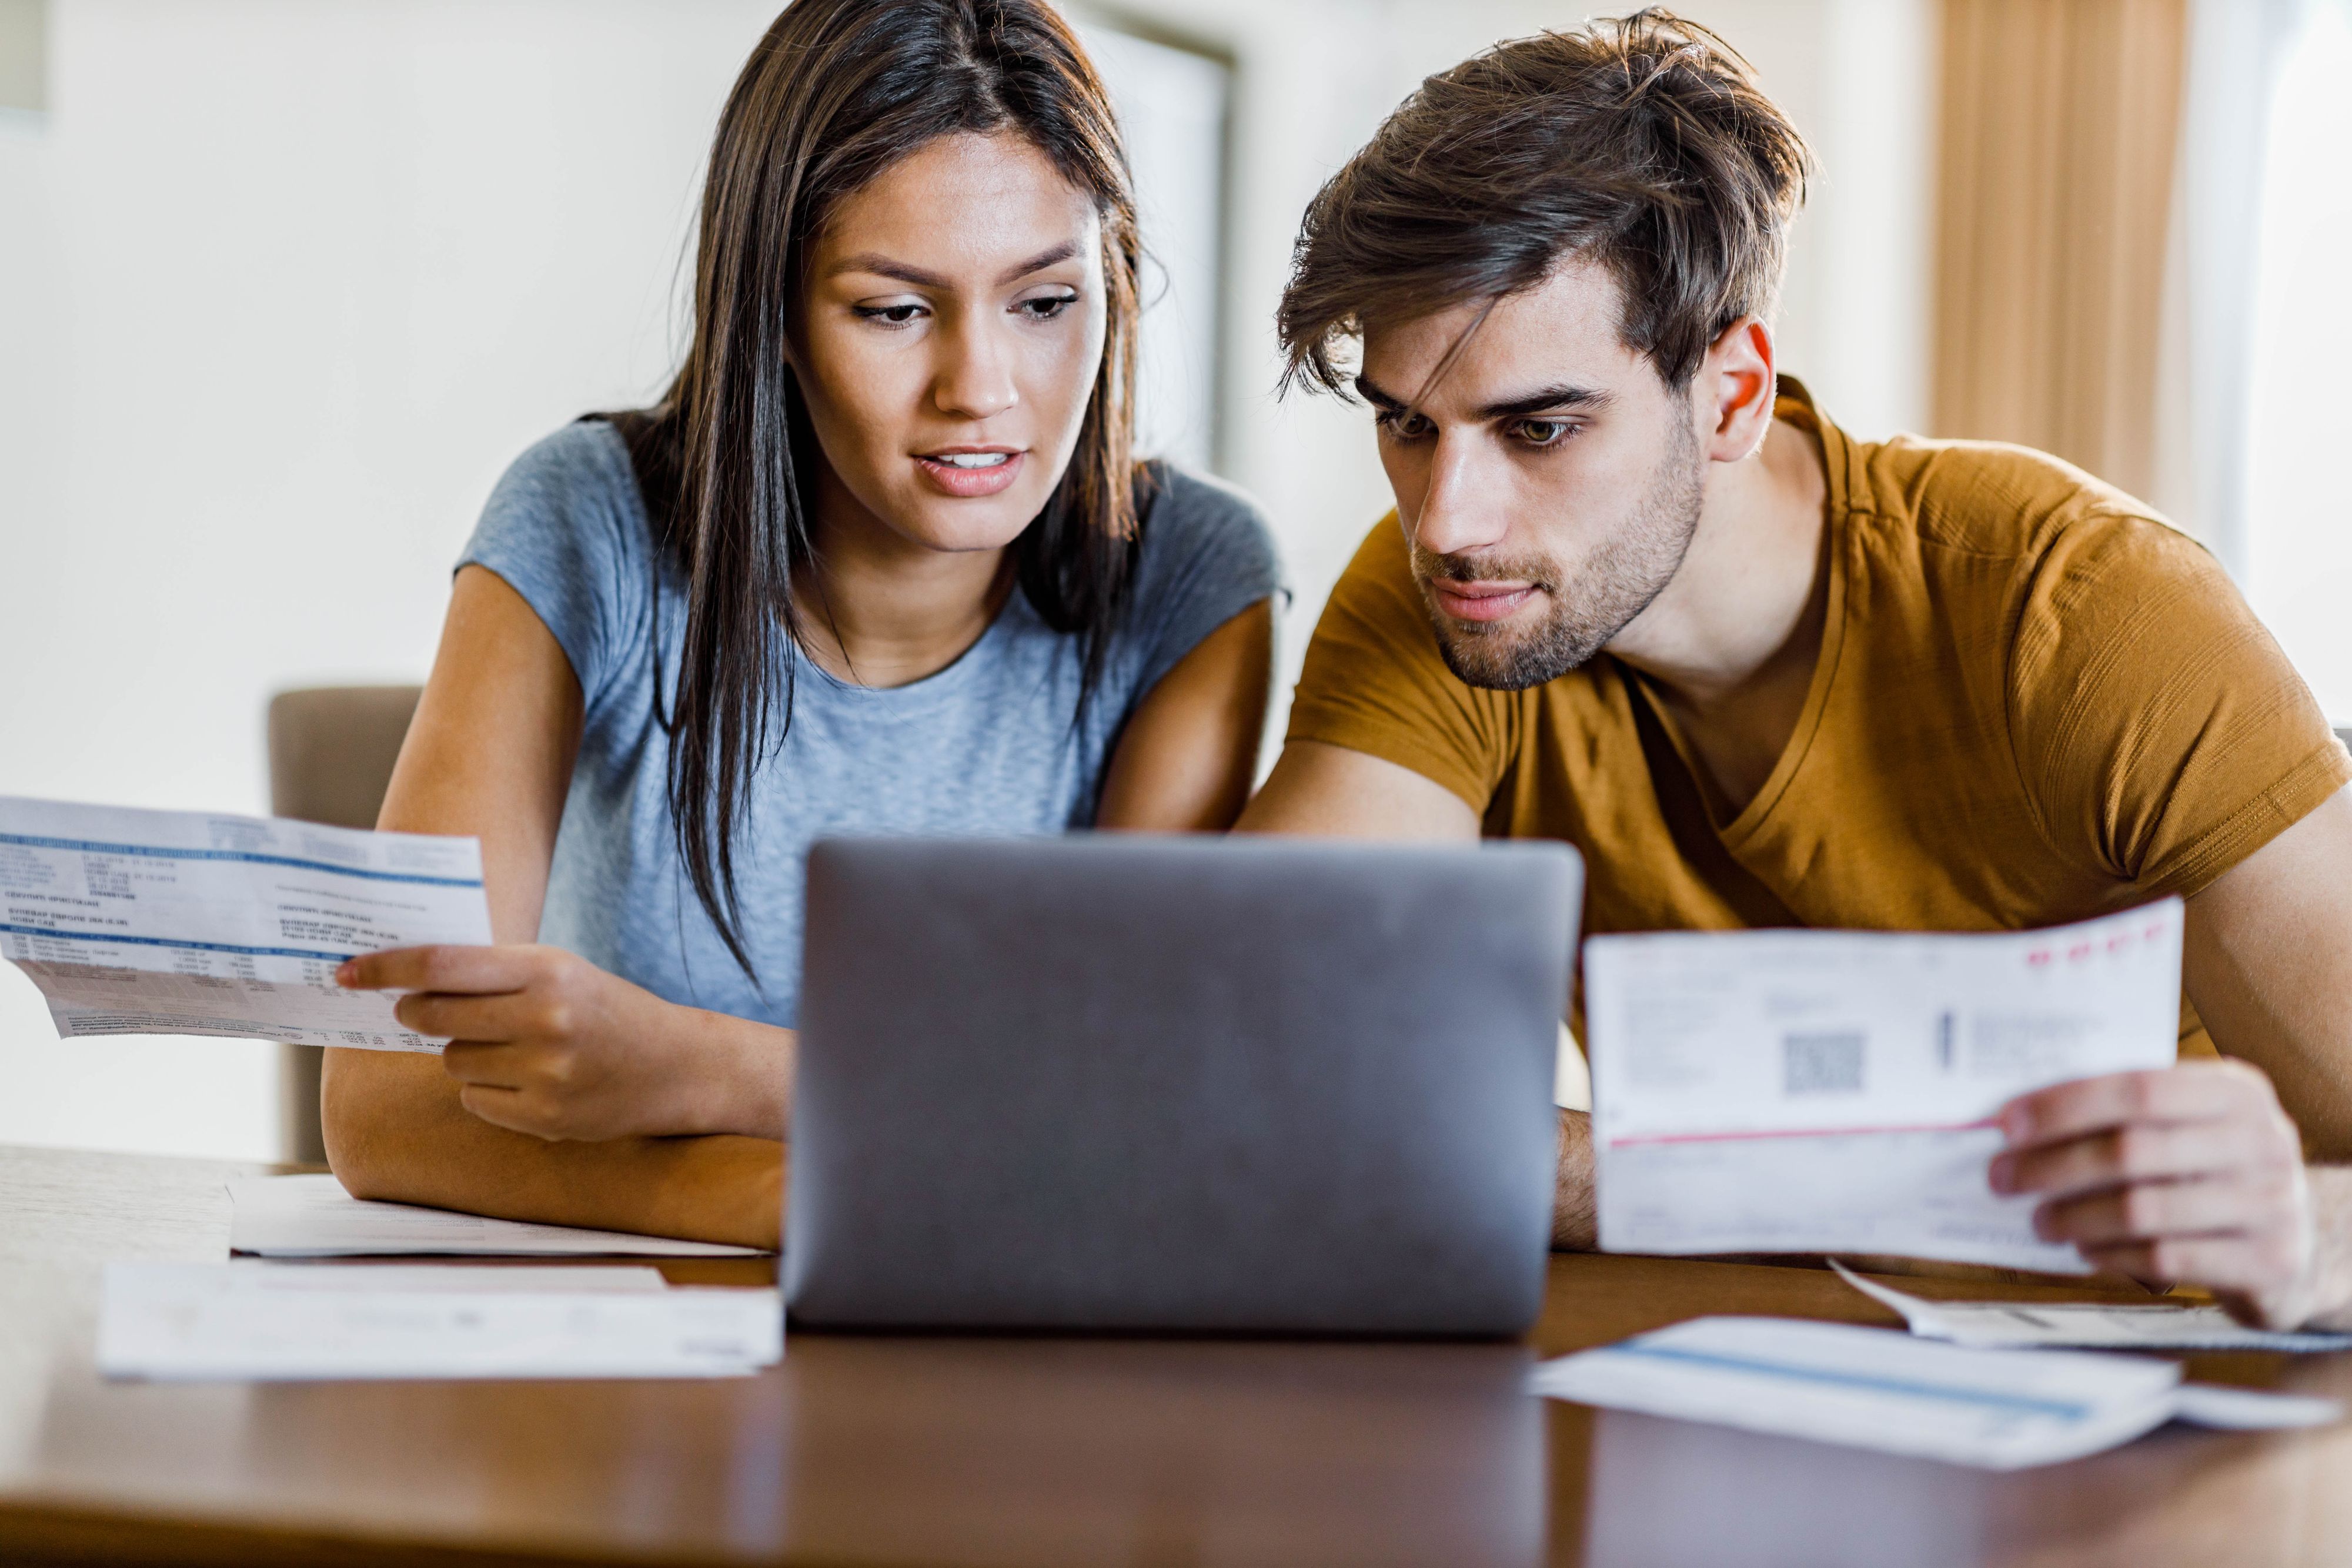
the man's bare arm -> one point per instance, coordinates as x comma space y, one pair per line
1317, 790
2196, 1172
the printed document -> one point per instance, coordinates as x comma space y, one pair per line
2019, 1325
216, 1322
1834, 1091
1870, 1388
313, 1216
185, 923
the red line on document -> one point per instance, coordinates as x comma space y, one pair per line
1799, 1132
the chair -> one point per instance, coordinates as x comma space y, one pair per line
331, 749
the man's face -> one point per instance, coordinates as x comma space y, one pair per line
1548, 485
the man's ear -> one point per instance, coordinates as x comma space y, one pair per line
1734, 391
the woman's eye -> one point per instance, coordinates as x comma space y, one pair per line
1544, 432
1045, 307
896, 314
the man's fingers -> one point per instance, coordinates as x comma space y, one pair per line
2144, 1151
2148, 1210
2255, 1263
442, 969
2188, 1092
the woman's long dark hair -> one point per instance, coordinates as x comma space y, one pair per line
836, 92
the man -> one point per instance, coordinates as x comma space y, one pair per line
1641, 597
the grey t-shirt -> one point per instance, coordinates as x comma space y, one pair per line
983, 747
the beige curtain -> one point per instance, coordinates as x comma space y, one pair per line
2059, 122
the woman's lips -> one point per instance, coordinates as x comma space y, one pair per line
1480, 601
971, 472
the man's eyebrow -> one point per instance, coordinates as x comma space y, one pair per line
881, 265
1563, 398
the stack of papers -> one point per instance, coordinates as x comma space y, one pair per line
313, 1216
2024, 1325
183, 923
1833, 1090
1870, 1388
219, 1321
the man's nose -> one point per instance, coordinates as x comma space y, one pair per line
975, 376
1463, 507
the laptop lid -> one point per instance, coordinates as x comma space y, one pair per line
1219, 1084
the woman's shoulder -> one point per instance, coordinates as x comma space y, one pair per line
583, 467
1195, 523
566, 529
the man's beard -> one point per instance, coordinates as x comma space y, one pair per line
1617, 583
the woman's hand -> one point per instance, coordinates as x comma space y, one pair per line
545, 1042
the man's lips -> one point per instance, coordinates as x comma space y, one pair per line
971, 471
1480, 601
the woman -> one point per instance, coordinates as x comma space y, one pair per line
881, 560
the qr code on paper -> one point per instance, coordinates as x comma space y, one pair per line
1822, 1064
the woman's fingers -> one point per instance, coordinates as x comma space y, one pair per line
442, 969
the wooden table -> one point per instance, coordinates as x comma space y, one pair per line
1045, 1451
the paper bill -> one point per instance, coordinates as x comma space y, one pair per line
2085, 1325
1833, 1091
211, 1322
1870, 1388
136, 922
313, 1216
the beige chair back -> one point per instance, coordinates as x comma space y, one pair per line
331, 749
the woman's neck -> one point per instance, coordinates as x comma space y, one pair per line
878, 610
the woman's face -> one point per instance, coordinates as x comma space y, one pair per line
951, 330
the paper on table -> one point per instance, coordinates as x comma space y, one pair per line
257, 1274
213, 1322
1870, 1388
2083, 1325
186, 923
1832, 1090
313, 1216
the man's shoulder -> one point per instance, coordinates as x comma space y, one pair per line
1990, 502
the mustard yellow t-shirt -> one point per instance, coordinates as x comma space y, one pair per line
2036, 702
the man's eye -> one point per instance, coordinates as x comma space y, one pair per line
1398, 425
1544, 432
896, 314
1044, 307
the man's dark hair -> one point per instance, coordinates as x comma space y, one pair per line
1642, 144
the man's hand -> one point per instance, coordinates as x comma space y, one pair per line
2190, 1173
546, 1044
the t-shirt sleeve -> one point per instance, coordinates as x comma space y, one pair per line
1374, 680
564, 529
2163, 734
1207, 556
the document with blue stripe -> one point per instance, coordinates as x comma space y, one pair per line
136, 922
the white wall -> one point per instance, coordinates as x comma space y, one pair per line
283, 285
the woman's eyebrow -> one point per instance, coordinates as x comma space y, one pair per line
880, 265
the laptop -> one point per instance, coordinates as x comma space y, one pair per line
1224, 1085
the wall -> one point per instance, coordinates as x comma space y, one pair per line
283, 285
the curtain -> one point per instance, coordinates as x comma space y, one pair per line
2059, 126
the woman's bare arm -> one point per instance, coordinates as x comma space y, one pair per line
490, 755
1185, 760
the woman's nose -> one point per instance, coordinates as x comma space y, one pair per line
975, 381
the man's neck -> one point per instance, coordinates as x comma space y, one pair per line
1731, 644
879, 609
